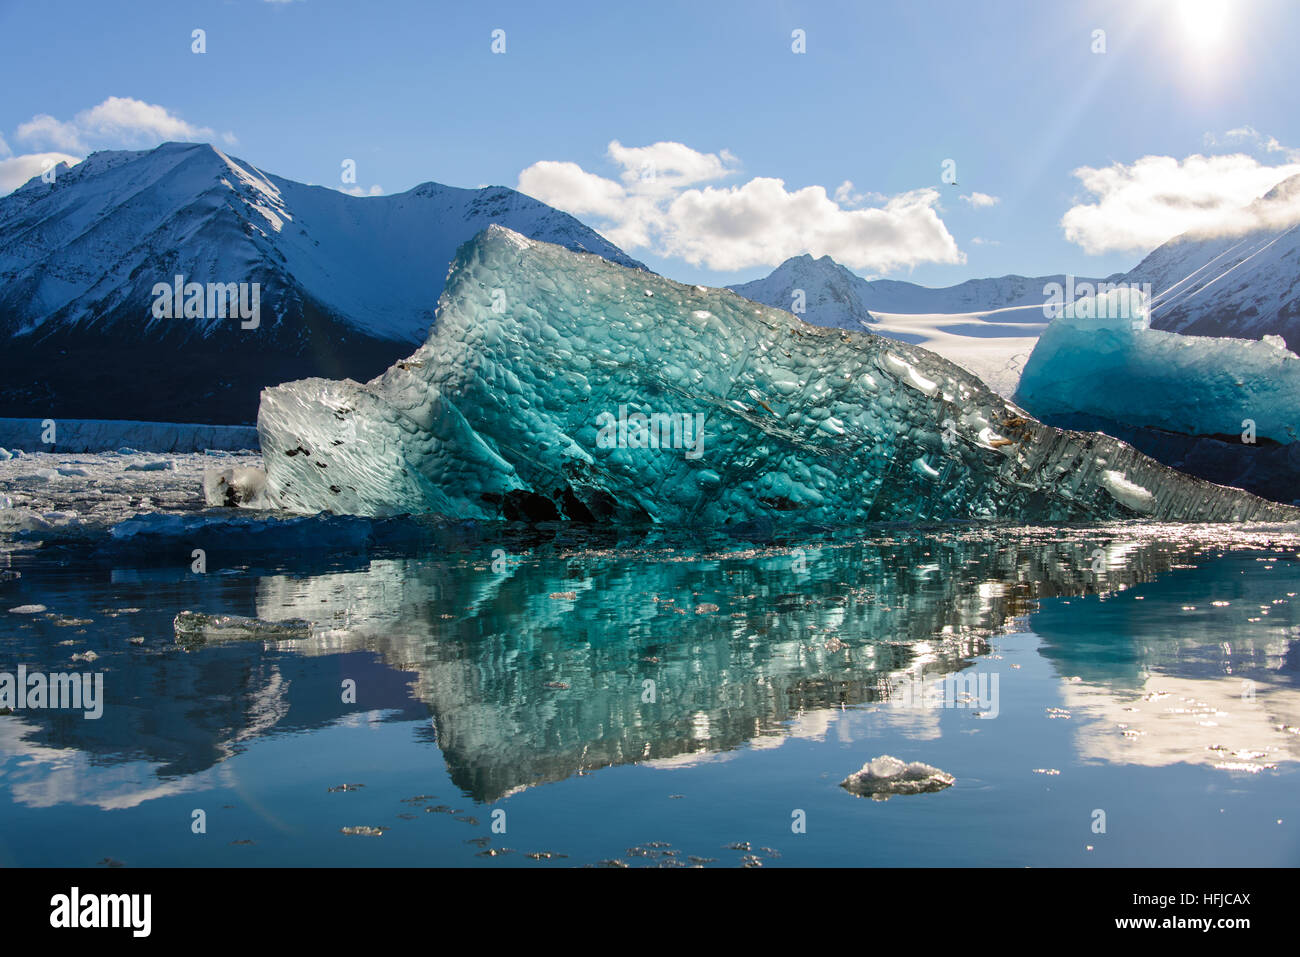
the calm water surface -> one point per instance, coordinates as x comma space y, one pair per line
1128, 695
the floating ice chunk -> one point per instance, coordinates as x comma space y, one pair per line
242, 485
1128, 493
22, 520
194, 628
755, 415
883, 777
27, 610
5, 455
1194, 385
73, 471
153, 465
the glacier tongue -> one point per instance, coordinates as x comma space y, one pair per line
558, 385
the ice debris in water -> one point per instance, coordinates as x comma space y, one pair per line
194, 628
153, 465
551, 387
241, 485
883, 777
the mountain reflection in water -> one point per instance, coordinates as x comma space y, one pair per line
529, 656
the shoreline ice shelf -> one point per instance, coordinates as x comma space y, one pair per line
557, 385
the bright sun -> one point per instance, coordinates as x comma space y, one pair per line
1203, 22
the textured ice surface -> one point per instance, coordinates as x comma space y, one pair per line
1124, 371
516, 407
885, 776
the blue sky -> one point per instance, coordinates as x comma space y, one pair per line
723, 135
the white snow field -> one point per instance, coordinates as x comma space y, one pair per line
556, 384
994, 345
986, 326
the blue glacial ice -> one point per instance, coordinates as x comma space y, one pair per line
1105, 361
557, 385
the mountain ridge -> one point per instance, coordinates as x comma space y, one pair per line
347, 284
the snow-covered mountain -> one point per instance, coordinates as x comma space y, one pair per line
832, 296
839, 298
1242, 286
987, 326
347, 284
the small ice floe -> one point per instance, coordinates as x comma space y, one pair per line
5, 455
27, 610
152, 465
883, 777
364, 830
240, 486
195, 628
73, 471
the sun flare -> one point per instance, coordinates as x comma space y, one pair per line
1204, 24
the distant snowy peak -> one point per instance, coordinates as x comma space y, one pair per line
89, 249
1244, 284
820, 291
836, 297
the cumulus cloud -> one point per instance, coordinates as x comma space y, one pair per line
1254, 139
375, 190
1141, 205
980, 200
15, 171
846, 195
665, 200
119, 121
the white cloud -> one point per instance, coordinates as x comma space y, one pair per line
583, 193
117, 122
762, 224
1253, 138
981, 241
666, 166
1140, 206
658, 204
19, 169
980, 200
848, 196
375, 190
